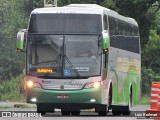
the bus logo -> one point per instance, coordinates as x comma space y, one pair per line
62, 87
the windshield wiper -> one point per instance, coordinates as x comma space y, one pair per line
70, 63
54, 63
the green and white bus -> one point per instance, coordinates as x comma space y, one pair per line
81, 56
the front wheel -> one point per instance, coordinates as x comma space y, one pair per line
126, 110
65, 112
102, 111
75, 113
41, 109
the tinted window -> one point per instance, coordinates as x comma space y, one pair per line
125, 35
65, 23
126, 43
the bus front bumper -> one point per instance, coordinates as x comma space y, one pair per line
88, 96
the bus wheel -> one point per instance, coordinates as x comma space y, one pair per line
126, 110
77, 112
41, 109
116, 110
65, 112
102, 111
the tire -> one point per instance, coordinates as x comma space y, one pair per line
42, 113
65, 112
126, 110
102, 111
75, 113
41, 109
116, 110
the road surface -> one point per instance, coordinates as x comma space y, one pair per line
137, 113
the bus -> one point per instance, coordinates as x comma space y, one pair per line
81, 56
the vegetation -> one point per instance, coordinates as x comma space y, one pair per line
10, 89
14, 16
145, 100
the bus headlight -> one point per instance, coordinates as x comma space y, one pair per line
30, 84
96, 84
93, 85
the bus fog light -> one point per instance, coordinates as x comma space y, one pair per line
34, 99
92, 100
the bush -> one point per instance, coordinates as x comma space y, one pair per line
10, 89
148, 76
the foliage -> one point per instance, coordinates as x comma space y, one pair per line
9, 90
143, 11
150, 62
151, 52
148, 76
14, 18
145, 100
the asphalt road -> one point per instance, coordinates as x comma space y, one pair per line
137, 113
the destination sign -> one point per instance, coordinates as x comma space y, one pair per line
44, 70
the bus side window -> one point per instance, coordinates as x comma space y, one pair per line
125, 28
128, 31
116, 27
110, 26
105, 22
132, 31
121, 28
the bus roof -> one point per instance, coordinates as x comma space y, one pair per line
68, 9
84, 9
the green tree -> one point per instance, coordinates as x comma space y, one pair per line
14, 18
150, 53
142, 10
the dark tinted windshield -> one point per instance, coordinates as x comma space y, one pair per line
66, 55
65, 23
83, 53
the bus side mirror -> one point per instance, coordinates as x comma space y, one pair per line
20, 40
105, 41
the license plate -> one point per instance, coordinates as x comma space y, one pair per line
63, 96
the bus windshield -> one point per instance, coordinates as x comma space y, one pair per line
64, 55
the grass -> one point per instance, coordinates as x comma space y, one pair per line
145, 100
21, 106
5, 107
10, 90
